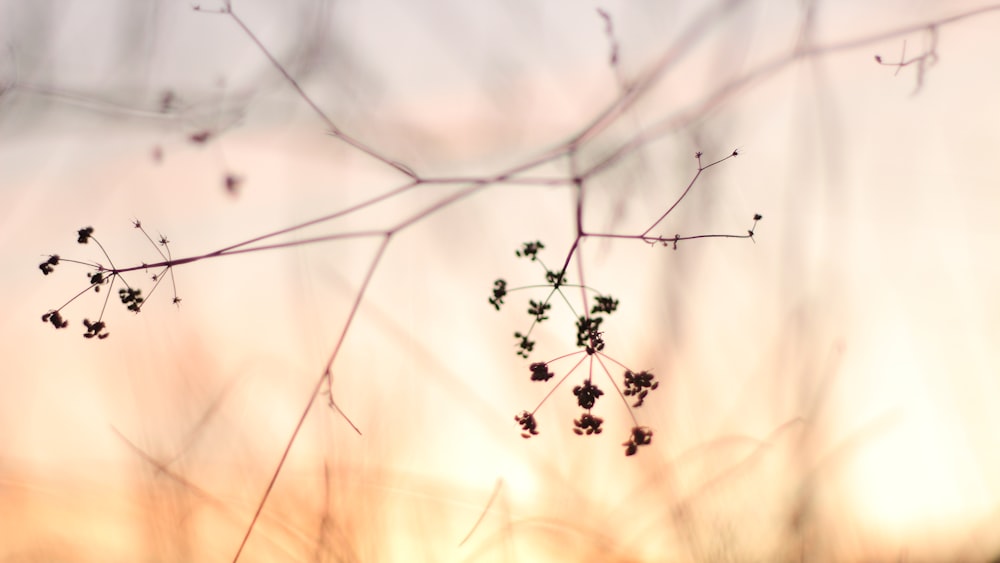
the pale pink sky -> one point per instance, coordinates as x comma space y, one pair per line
864, 316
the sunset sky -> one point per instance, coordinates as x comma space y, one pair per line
827, 388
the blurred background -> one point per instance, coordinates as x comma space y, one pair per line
827, 389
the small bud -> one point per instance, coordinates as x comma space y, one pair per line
201, 137
84, 234
232, 183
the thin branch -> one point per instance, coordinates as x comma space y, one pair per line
687, 189
482, 515
684, 117
330, 125
315, 392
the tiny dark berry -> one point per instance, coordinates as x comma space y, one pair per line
529, 250
540, 372
84, 234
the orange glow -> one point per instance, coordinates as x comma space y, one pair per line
825, 391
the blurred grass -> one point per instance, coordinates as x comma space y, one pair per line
827, 390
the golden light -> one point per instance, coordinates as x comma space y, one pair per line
825, 388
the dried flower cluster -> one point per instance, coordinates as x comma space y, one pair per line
100, 275
639, 385
590, 338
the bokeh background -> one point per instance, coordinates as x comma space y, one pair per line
827, 390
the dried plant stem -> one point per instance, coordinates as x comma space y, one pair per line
327, 376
